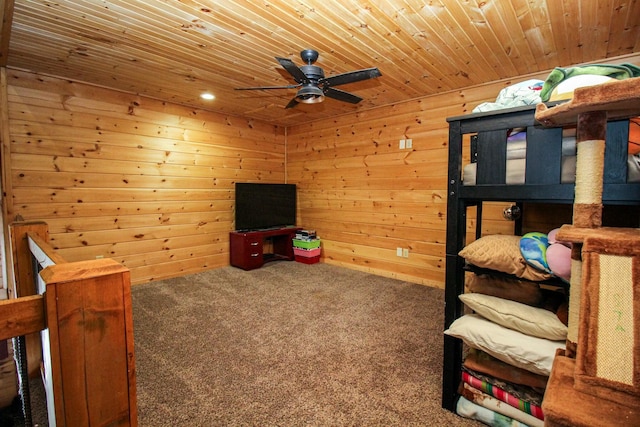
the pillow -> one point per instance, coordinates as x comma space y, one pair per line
551, 237
533, 321
480, 361
559, 256
515, 348
565, 89
533, 247
553, 299
559, 260
512, 289
502, 253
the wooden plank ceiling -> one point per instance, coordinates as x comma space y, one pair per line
175, 49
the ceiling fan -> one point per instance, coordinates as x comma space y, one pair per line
314, 86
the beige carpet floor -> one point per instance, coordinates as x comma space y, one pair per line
289, 344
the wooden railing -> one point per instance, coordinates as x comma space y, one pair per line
77, 324
21, 316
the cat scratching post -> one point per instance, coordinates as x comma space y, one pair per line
596, 382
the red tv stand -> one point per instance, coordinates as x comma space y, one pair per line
247, 248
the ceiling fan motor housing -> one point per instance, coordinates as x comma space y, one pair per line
310, 93
313, 73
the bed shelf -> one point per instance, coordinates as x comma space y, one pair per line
542, 184
614, 194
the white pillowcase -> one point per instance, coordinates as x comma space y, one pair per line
515, 348
533, 321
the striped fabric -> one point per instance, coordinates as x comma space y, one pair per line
502, 395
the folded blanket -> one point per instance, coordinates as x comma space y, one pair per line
478, 397
468, 409
558, 75
519, 94
502, 395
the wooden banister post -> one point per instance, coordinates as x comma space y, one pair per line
24, 281
90, 331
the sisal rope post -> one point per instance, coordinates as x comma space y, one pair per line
587, 207
590, 142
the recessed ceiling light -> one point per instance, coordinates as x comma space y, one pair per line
207, 96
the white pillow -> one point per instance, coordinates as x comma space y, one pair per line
515, 348
533, 321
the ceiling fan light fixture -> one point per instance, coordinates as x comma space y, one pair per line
313, 86
310, 95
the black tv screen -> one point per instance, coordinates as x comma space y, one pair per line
262, 205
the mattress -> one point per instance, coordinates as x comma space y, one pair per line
516, 171
517, 144
516, 162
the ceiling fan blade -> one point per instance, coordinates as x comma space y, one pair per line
352, 76
292, 103
341, 95
268, 87
292, 69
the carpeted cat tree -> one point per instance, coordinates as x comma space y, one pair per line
596, 381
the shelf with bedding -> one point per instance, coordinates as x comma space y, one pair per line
553, 282
482, 139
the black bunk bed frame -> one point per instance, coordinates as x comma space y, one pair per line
542, 185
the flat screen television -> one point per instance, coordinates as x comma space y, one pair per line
263, 206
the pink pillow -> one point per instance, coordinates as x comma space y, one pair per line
559, 260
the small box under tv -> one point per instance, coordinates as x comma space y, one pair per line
307, 253
306, 244
306, 249
306, 234
308, 260
307, 256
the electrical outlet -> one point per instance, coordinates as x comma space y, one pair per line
399, 251
405, 253
408, 143
402, 144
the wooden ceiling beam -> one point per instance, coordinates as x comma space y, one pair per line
6, 8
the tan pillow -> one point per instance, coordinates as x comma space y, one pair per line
521, 291
502, 253
533, 321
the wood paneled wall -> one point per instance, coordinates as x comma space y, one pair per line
145, 182
150, 183
366, 197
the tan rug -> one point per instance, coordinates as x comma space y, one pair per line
289, 344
